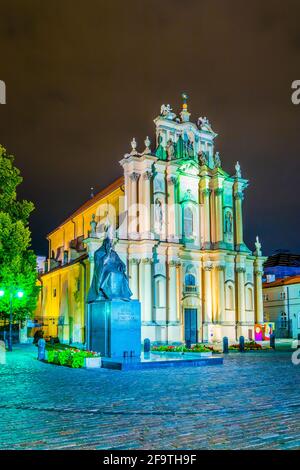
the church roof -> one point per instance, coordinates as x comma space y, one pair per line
283, 282
90, 202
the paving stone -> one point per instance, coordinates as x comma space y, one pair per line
250, 402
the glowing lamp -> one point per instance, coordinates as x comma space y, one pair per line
1, 293
20, 294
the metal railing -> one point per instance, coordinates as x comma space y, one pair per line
190, 289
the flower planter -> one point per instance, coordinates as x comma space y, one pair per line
204, 354
183, 354
92, 362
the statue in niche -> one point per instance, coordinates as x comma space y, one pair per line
158, 216
170, 149
190, 149
217, 160
228, 223
202, 158
110, 281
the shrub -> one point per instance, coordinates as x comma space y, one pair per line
197, 348
70, 357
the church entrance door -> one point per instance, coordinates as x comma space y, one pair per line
190, 325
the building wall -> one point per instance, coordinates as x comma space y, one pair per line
63, 302
282, 306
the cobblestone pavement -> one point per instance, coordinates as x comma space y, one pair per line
250, 402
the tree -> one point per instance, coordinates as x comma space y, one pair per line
17, 261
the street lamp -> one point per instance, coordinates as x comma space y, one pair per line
12, 293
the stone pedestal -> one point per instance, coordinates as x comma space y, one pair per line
114, 327
23, 339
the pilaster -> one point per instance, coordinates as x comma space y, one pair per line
258, 272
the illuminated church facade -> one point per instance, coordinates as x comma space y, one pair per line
177, 220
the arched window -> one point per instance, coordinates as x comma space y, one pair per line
229, 297
190, 280
188, 222
249, 299
283, 320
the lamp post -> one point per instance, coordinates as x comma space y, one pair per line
12, 293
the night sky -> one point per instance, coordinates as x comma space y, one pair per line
83, 78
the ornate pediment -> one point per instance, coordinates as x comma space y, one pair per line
190, 168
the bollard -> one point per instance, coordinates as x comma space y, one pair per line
41, 349
242, 344
147, 345
272, 341
225, 345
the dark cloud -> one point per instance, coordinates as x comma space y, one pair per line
83, 78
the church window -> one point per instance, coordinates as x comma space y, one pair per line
188, 222
249, 299
283, 320
229, 297
54, 292
190, 280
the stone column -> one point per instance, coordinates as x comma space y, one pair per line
207, 305
219, 215
146, 223
132, 209
259, 314
148, 289
127, 190
239, 238
221, 293
241, 314
172, 216
172, 292
92, 265
134, 277
206, 204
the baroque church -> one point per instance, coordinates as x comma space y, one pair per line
176, 218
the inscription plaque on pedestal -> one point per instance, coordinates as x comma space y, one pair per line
115, 327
